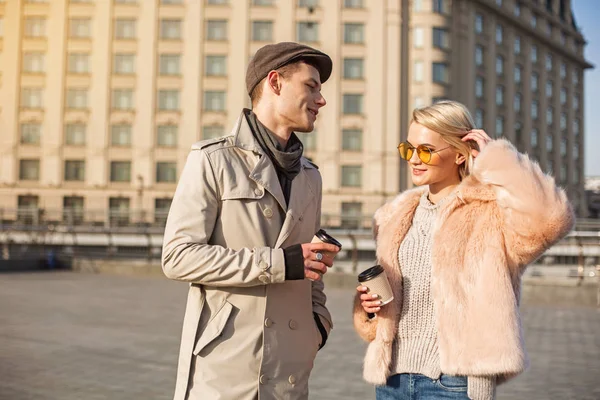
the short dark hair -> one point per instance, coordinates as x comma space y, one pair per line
285, 72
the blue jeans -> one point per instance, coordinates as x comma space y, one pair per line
420, 387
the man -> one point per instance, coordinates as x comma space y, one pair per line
245, 209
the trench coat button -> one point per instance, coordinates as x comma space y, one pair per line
292, 379
268, 322
263, 265
293, 324
263, 379
301, 218
264, 278
268, 212
257, 192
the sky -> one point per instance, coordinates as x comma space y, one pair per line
587, 14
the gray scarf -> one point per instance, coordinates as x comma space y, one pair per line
286, 161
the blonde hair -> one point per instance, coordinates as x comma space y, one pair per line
452, 120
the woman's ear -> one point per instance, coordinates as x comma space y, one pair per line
460, 159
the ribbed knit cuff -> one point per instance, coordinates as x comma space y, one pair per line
481, 387
294, 262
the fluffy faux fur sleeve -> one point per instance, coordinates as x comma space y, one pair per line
536, 213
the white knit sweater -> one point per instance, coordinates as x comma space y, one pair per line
416, 349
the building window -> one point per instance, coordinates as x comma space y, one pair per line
576, 126
417, 5
170, 29
549, 88
126, 1
575, 77
352, 139
534, 54
441, 6
499, 65
122, 99
120, 171
441, 38
499, 34
353, 68
351, 215
499, 95
534, 110
262, 31
212, 132
534, 138
499, 126
418, 40
533, 21
80, 28
563, 121
33, 63
575, 151
168, 100
307, 32
169, 2
31, 133
576, 102
166, 172
517, 46
418, 71
218, 2
479, 118
73, 210
534, 82
29, 170
75, 134
478, 23
166, 135
517, 104
124, 64
77, 98
308, 3
124, 28
353, 4
120, 135
31, 98
517, 10
548, 62
169, 64
518, 73
216, 30
440, 73
35, 27
351, 176
214, 101
79, 63
549, 116
548, 28
563, 96
479, 87
216, 65
308, 139
549, 142
263, 3
118, 209
161, 210
354, 33
74, 170
478, 55
352, 104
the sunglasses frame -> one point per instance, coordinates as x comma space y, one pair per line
421, 151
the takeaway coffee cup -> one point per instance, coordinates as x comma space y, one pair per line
323, 237
376, 280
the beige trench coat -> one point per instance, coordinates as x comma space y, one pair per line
247, 333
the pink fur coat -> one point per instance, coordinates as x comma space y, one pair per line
505, 215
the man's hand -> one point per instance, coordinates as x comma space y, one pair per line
317, 258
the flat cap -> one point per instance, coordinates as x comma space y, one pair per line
274, 56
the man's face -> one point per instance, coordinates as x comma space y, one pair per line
300, 98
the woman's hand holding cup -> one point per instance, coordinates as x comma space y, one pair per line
369, 301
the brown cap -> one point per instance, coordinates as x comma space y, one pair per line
274, 56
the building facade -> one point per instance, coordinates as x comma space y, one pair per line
100, 101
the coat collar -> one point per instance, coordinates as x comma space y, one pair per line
265, 175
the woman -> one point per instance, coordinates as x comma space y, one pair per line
454, 251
